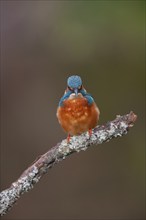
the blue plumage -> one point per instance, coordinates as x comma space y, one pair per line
75, 82
64, 97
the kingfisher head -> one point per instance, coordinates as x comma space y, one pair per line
74, 84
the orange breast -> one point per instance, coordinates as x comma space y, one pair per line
76, 116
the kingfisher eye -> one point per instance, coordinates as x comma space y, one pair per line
80, 88
71, 89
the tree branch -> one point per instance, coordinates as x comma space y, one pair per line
39, 167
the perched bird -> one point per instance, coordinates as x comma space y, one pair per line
77, 111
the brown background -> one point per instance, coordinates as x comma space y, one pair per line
42, 43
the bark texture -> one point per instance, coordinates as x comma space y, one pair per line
39, 167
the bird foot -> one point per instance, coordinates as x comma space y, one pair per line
68, 138
90, 132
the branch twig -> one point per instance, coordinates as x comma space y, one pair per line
39, 167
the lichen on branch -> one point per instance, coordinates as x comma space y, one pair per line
39, 167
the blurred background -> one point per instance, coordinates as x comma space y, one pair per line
42, 43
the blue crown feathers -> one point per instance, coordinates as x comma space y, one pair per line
74, 82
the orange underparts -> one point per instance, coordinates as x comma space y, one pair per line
77, 117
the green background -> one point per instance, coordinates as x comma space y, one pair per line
42, 43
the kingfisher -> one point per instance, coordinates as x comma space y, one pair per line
77, 112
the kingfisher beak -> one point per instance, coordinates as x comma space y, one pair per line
76, 91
